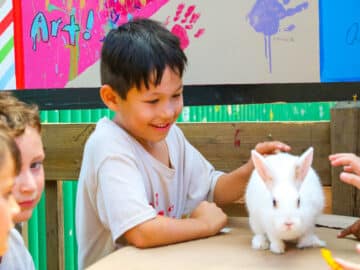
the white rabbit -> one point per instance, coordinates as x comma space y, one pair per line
283, 198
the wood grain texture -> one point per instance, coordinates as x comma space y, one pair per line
226, 145
345, 137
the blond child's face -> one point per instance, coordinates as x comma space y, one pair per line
29, 184
8, 205
148, 114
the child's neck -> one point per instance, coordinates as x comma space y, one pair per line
159, 151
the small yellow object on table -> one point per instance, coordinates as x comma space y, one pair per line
329, 259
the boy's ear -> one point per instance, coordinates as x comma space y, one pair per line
109, 97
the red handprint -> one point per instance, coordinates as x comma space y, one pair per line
184, 25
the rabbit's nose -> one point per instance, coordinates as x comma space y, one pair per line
288, 224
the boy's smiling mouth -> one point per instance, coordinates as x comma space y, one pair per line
161, 126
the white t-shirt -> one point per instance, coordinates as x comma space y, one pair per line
17, 257
121, 185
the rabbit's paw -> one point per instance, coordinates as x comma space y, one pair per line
310, 241
277, 247
259, 242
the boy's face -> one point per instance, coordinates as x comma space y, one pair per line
29, 184
148, 114
8, 205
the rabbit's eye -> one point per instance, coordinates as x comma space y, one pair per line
274, 203
298, 203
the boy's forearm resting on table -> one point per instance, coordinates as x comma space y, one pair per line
231, 186
165, 230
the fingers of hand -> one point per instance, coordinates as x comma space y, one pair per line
271, 147
352, 229
350, 178
346, 265
344, 232
340, 160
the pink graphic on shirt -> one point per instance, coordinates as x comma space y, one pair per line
184, 20
62, 38
156, 205
171, 208
156, 199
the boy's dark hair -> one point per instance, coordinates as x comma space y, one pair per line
137, 53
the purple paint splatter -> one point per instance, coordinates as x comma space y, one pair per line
265, 17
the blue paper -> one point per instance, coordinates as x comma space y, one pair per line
339, 40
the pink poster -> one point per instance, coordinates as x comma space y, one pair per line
63, 38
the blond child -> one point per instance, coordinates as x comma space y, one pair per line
10, 164
141, 182
22, 122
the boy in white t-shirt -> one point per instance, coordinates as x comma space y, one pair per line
140, 176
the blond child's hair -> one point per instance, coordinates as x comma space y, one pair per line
8, 146
16, 115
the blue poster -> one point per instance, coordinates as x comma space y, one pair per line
339, 40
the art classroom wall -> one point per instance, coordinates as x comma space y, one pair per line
7, 59
230, 41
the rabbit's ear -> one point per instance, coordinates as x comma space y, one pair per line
262, 168
304, 164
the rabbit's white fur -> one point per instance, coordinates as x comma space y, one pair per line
275, 214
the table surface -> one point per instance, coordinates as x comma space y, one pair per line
230, 250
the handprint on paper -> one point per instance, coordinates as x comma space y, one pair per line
265, 17
118, 12
184, 23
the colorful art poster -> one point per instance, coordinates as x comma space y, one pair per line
228, 42
63, 38
7, 59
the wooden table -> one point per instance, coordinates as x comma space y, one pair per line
230, 250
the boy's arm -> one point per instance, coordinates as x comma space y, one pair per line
231, 186
206, 220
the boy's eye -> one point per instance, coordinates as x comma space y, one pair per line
177, 95
153, 101
274, 203
36, 165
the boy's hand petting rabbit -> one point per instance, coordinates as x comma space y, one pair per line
284, 196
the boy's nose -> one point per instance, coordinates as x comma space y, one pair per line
26, 182
168, 111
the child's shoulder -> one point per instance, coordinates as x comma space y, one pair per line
107, 133
176, 136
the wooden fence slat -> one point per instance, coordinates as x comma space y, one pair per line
345, 137
54, 225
